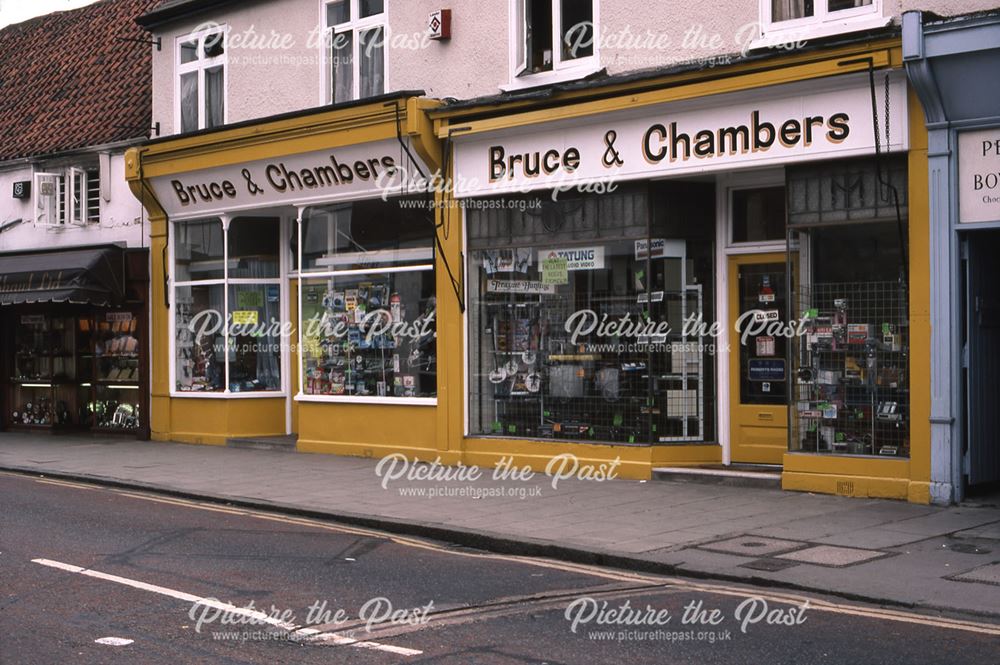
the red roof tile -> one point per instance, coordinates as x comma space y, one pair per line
68, 81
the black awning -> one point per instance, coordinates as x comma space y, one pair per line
83, 275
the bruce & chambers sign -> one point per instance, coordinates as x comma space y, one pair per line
779, 124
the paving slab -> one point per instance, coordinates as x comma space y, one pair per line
828, 555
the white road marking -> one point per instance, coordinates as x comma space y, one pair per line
256, 615
114, 641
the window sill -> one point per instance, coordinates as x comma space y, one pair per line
577, 71
799, 34
277, 394
373, 399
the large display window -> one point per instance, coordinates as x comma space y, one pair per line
584, 316
227, 306
367, 320
851, 360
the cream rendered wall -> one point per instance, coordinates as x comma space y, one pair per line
265, 77
121, 216
264, 80
471, 64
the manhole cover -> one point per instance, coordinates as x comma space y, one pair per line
761, 546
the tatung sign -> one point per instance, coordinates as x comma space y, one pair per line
349, 172
781, 124
577, 258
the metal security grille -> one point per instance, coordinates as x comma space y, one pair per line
851, 360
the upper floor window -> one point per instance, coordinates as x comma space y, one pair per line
67, 197
783, 20
355, 48
552, 39
201, 80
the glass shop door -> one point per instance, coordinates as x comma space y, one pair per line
758, 376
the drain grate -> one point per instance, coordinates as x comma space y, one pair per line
968, 548
768, 565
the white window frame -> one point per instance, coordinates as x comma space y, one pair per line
199, 65
59, 206
355, 26
65, 213
751, 180
823, 23
561, 71
225, 282
76, 202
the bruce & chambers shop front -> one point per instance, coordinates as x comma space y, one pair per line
703, 273
694, 270
294, 280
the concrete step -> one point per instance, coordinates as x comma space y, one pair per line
765, 476
286, 442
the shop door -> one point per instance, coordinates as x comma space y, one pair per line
758, 366
982, 357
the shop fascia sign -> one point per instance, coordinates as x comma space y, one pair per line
979, 176
777, 125
364, 170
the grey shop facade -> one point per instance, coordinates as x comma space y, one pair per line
953, 64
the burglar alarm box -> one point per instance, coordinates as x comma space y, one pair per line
439, 24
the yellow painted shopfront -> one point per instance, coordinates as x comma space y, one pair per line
566, 292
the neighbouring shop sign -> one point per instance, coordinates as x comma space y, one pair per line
979, 176
774, 125
364, 170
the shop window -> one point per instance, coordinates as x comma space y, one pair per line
368, 308
67, 197
851, 362
355, 49
552, 38
577, 317
201, 80
79, 371
227, 306
758, 215
799, 20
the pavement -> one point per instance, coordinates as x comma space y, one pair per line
940, 559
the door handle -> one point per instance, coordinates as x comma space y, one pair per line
765, 416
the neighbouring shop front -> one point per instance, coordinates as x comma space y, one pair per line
73, 323
295, 279
946, 59
682, 279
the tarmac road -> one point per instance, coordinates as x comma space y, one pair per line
80, 563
